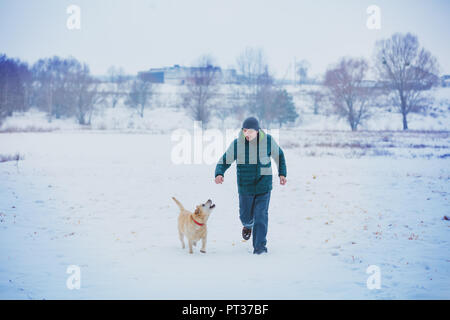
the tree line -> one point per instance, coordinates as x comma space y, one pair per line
403, 70
64, 87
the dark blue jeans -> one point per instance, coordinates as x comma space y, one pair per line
253, 212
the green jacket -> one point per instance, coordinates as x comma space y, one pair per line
254, 170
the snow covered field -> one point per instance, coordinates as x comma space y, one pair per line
100, 200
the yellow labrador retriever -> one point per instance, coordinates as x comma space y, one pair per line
193, 225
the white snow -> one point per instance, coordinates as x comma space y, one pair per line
101, 200
99, 197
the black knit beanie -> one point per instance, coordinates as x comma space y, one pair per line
251, 123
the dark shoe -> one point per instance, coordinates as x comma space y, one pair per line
260, 251
246, 233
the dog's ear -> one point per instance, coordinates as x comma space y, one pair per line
197, 211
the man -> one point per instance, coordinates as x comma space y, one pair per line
252, 151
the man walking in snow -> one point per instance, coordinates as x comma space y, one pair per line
252, 151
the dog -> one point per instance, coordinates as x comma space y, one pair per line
193, 225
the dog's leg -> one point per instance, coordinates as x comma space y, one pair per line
203, 249
181, 239
190, 246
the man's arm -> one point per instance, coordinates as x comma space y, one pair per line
226, 160
279, 158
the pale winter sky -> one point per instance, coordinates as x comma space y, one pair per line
142, 34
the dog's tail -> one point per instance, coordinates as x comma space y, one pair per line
178, 203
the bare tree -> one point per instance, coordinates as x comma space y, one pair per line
51, 77
202, 88
15, 79
318, 97
259, 94
273, 104
140, 95
406, 71
85, 95
302, 69
64, 87
264, 103
349, 94
117, 84
238, 109
43, 83
251, 65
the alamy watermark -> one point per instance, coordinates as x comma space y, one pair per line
374, 280
207, 147
74, 280
374, 20
74, 20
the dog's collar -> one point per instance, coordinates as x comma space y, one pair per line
198, 223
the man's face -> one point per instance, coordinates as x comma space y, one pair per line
250, 134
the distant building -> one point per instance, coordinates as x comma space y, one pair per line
229, 76
154, 77
178, 74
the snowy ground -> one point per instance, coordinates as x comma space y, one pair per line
101, 201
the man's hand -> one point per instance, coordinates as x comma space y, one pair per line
219, 179
283, 180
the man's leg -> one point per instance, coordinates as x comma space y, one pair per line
261, 216
246, 203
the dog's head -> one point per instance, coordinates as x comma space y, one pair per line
203, 210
